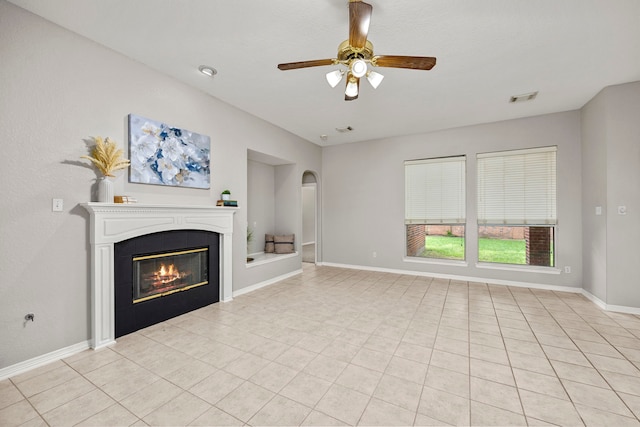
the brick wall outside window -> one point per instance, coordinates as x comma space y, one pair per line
538, 240
416, 234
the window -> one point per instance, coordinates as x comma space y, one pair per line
517, 206
435, 207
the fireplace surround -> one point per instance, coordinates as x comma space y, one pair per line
112, 223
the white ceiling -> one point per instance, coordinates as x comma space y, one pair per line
487, 51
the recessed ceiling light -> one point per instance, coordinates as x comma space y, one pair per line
207, 71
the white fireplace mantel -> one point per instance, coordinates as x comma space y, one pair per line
111, 223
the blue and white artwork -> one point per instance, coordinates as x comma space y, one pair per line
166, 155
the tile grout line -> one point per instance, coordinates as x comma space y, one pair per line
581, 352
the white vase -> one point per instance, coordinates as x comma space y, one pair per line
105, 190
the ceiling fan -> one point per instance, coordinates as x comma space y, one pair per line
356, 54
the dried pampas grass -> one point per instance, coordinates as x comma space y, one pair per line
106, 156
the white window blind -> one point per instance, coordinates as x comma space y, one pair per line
435, 191
517, 187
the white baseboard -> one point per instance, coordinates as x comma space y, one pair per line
594, 299
623, 309
597, 301
610, 307
456, 277
257, 286
36, 362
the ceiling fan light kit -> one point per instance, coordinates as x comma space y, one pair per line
356, 54
334, 77
374, 78
358, 68
352, 88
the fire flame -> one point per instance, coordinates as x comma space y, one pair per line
167, 274
170, 272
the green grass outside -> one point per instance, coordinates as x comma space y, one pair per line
443, 247
502, 251
491, 250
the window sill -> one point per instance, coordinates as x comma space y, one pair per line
262, 258
436, 261
521, 268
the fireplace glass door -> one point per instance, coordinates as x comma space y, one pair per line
163, 274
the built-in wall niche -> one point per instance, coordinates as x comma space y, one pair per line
272, 189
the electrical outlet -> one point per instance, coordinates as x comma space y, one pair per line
567, 269
57, 205
598, 210
375, 254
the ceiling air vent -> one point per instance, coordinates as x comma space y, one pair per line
344, 130
524, 97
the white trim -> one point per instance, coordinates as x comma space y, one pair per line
36, 362
610, 307
594, 299
261, 258
309, 243
623, 309
519, 267
436, 261
257, 286
457, 277
113, 222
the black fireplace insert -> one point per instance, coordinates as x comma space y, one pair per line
162, 275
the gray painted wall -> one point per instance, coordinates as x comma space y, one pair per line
594, 194
611, 154
623, 189
260, 202
363, 207
288, 201
308, 213
58, 89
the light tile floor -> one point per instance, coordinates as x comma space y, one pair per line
345, 347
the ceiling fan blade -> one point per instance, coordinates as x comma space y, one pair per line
305, 64
359, 19
357, 83
412, 62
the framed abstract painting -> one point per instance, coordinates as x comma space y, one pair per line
166, 155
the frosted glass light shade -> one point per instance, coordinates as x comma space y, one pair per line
334, 77
358, 68
374, 78
352, 88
